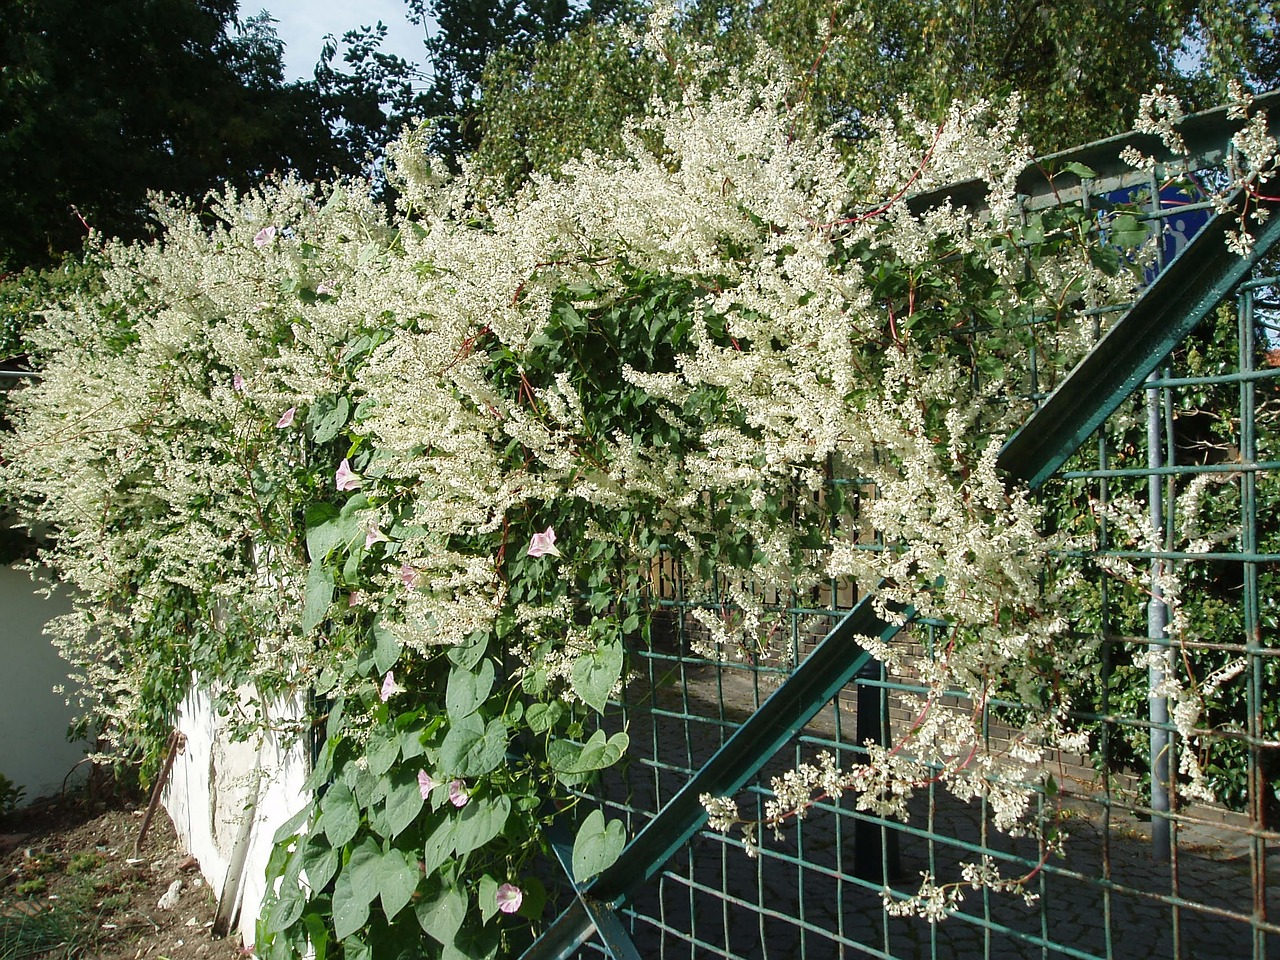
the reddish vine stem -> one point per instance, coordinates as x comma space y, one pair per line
887, 205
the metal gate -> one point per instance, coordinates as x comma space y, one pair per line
1180, 391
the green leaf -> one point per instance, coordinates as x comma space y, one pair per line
472, 749
438, 847
597, 845
487, 896
291, 876
481, 820
320, 774
594, 675
384, 749
333, 528
351, 569
473, 944
318, 596
1128, 231
535, 897
411, 745
467, 690
1080, 170
321, 861
367, 788
468, 655
318, 935
285, 912
333, 727
1105, 259
339, 815
597, 753
541, 717
327, 416
1032, 232
441, 916
290, 826
377, 820
319, 517
397, 879
350, 906
404, 801
362, 867
386, 648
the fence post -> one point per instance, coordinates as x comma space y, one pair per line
875, 847
1157, 622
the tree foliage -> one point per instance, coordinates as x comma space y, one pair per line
468, 33
1079, 67
103, 102
367, 101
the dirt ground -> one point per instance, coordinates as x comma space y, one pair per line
70, 886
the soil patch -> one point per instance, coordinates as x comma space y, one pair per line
70, 886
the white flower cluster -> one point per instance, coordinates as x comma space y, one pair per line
192, 407
1252, 163
1158, 114
933, 902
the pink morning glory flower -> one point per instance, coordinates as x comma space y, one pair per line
458, 793
264, 237
353, 598
389, 687
426, 783
237, 383
373, 535
346, 478
509, 898
543, 543
324, 290
408, 576
286, 418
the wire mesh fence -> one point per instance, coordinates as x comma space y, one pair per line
1180, 595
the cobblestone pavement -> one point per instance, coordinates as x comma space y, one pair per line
808, 895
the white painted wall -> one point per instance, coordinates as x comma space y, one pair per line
222, 793
34, 751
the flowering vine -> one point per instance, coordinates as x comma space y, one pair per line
621, 357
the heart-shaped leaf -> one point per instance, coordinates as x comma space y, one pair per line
397, 879
339, 815
350, 906
472, 749
320, 861
595, 674
386, 648
383, 750
438, 847
317, 596
481, 820
327, 416
597, 845
468, 689
597, 753
441, 915
404, 801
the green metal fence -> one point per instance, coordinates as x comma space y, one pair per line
1177, 404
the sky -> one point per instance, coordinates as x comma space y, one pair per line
302, 25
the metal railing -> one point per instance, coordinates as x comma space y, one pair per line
1181, 392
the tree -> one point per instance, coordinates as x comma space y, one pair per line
366, 106
102, 102
468, 33
1080, 67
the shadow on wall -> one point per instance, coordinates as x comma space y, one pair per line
34, 750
